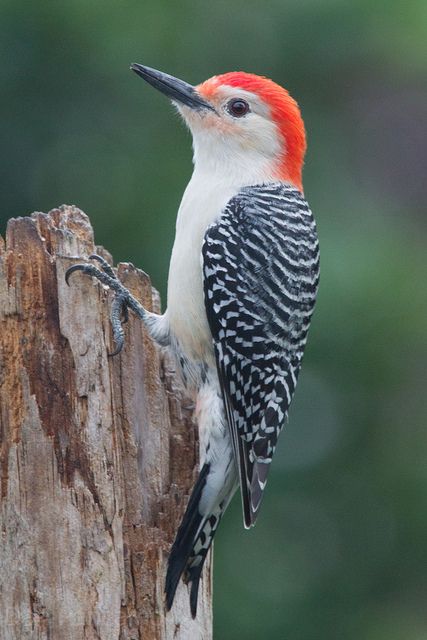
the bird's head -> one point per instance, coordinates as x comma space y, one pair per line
240, 122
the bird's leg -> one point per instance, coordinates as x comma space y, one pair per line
122, 301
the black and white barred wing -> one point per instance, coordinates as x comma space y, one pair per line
261, 271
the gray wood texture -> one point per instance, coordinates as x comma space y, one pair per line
97, 454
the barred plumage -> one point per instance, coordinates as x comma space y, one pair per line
260, 264
261, 272
237, 323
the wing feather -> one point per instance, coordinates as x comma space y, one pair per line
260, 274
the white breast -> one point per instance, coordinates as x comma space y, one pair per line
222, 168
203, 202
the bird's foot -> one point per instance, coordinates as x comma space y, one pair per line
122, 300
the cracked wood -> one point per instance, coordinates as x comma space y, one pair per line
97, 454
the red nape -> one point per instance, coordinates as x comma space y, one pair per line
284, 111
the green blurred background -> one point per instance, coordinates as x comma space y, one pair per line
340, 551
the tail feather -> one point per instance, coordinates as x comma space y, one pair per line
194, 578
194, 594
185, 539
200, 551
197, 530
192, 543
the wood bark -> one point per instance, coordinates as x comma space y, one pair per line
98, 454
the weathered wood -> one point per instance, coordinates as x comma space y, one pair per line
97, 454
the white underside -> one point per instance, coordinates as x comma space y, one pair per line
202, 203
205, 197
215, 447
222, 167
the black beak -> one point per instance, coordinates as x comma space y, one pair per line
174, 88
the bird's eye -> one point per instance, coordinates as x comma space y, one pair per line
238, 107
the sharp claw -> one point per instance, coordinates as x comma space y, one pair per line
106, 267
122, 299
117, 350
70, 270
96, 256
118, 337
117, 307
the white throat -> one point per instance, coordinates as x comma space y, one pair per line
225, 161
222, 166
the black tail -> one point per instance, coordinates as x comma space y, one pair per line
184, 547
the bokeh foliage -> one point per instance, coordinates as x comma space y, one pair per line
340, 548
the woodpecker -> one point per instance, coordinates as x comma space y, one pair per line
242, 285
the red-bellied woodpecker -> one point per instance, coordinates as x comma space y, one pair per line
242, 285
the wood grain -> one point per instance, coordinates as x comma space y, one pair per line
97, 454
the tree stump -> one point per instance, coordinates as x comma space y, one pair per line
98, 454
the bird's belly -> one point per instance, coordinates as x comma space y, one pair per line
186, 308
